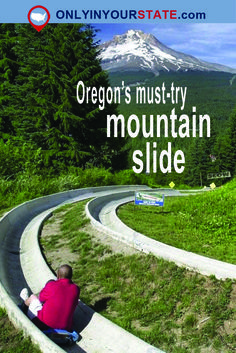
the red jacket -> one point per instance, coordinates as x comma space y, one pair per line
59, 299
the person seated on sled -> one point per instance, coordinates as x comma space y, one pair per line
56, 303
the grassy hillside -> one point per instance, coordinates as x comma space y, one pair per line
172, 308
167, 305
204, 224
12, 340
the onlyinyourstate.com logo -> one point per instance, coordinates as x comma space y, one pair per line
38, 17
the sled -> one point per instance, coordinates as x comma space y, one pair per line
62, 337
58, 336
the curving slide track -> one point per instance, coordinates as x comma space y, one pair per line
22, 264
103, 215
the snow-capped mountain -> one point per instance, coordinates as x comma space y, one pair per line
136, 50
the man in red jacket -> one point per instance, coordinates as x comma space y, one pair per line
56, 302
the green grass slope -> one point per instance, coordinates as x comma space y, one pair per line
203, 223
170, 307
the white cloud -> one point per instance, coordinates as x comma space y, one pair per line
210, 42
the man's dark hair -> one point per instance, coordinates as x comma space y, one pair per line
65, 271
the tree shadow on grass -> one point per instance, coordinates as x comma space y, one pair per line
101, 304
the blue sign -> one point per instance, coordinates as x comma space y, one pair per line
149, 198
104, 11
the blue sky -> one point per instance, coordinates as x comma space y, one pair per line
212, 42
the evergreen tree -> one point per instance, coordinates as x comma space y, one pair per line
223, 152
199, 162
8, 72
46, 111
232, 138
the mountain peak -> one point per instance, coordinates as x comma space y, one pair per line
134, 35
133, 32
135, 50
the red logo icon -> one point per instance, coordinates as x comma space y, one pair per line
38, 17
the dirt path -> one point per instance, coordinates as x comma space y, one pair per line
57, 256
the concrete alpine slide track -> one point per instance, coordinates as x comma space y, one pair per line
22, 265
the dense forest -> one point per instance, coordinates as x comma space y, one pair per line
44, 131
42, 125
210, 93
